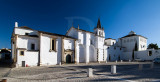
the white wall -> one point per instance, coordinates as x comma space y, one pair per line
129, 43
92, 54
82, 54
50, 57
145, 56
110, 42
114, 53
68, 44
142, 43
30, 58
127, 55
73, 33
21, 31
25, 42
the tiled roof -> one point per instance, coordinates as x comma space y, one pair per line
110, 38
55, 34
30, 35
25, 27
83, 30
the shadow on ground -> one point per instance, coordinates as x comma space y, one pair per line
128, 72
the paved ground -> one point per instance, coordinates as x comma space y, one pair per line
126, 71
4, 69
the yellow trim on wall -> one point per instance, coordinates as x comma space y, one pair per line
52, 43
20, 53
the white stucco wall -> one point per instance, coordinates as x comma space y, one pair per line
21, 31
49, 57
68, 44
110, 42
115, 53
127, 55
30, 58
145, 56
25, 42
82, 56
73, 33
142, 43
129, 43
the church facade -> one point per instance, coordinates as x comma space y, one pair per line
37, 48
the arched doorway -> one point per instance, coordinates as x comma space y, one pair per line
68, 58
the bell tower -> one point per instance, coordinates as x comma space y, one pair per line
99, 41
99, 30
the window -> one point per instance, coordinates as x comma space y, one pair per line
32, 46
53, 45
26, 33
21, 53
150, 53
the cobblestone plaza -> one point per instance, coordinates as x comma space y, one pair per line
126, 71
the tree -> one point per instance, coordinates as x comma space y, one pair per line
136, 47
151, 46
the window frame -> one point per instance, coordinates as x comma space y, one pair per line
21, 53
52, 45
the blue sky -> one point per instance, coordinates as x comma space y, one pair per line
118, 17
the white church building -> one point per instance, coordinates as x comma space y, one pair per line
37, 48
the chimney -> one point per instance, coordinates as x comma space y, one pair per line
16, 24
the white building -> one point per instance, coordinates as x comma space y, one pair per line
37, 48
135, 47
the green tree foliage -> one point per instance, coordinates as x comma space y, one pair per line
151, 46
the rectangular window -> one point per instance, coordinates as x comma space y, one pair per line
22, 53
26, 33
53, 44
32, 46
